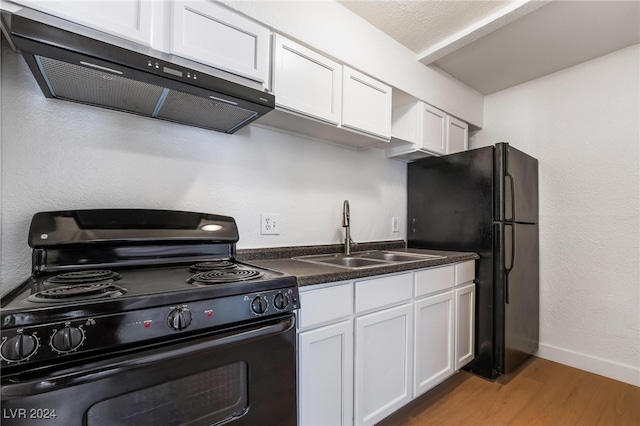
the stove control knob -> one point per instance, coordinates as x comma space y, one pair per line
280, 301
19, 347
179, 319
259, 305
67, 339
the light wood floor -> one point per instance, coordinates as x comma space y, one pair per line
541, 392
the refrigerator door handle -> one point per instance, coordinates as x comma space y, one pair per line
513, 260
513, 196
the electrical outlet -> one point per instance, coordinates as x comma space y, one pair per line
395, 224
270, 224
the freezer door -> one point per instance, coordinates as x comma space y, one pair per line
450, 201
517, 294
516, 176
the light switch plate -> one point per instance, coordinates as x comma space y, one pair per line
395, 224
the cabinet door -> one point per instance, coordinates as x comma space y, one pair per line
465, 323
210, 33
380, 292
366, 104
457, 135
433, 358
325, 305
130, 19
325, 391
306, 82
382, 363
433, 280
433, 129
465, 272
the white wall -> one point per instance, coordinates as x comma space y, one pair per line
583, 124
62, 155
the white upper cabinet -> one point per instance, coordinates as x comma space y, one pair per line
200, 30
366, 104
320, 98
433, 129
209, 33
457, 135
130, 19
419, 130
306, 82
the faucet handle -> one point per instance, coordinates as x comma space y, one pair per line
346, 215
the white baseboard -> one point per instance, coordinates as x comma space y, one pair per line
603, 367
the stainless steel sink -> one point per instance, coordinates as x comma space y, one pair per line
366, 259
390, 256
343, 261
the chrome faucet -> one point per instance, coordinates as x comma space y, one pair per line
346, 224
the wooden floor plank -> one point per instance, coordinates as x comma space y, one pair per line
541, 393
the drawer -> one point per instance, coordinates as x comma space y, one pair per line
434, 280
385, 291
325, 305
465, 272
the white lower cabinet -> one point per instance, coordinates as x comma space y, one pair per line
434, 329
326, 375
367, 348
465, 323
325, 355
383, 363
465, 296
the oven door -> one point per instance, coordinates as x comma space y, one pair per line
244, 376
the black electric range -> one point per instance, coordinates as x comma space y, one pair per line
112, 279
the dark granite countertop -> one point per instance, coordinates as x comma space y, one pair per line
280, 259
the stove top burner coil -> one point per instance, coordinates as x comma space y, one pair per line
85, 277
213, 265
224, 276
77, 292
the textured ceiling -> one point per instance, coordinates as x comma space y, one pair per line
491, 45
419, 24
559, 35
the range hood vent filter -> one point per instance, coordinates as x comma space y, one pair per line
101, 88
76, 83
79, 64
182, 107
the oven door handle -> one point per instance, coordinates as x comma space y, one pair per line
120, 366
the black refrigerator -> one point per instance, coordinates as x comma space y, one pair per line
485, 200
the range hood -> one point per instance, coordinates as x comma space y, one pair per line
79, 64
